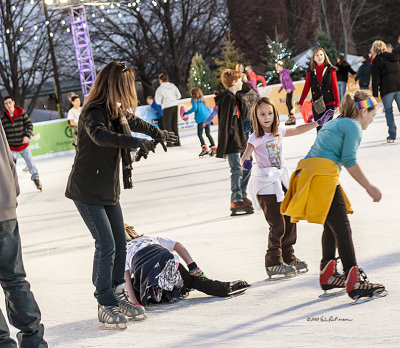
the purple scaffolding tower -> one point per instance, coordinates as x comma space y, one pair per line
80, 33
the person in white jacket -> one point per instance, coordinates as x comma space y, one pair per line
167, 95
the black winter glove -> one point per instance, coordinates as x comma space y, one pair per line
168, 136
145, 146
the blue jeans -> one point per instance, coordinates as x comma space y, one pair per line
106, 224
342, 89
387, 101
239, 178
22, 309
247, 129
26, 154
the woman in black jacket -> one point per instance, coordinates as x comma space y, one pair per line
344, 69
386, 80
104, 137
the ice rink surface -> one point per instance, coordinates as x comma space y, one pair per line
179, 196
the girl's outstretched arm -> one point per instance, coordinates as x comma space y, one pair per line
247, 153
358, 175
308, 126
129, 287
301, 129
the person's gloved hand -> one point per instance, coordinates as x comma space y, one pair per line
168, 136
247, 164
145, 146
195, 271
325, 117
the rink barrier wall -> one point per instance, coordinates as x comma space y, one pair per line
55, 137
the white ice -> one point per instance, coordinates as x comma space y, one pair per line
179, 196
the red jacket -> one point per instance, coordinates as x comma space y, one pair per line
16, 127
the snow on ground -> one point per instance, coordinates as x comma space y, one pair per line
179, 196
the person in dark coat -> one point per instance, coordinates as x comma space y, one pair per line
364, 72
232, 139
386, 82
344, 69
104, 138
248, 96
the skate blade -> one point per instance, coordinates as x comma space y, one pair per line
373, 297
280, 277
303, 270
118, 326
327, 294
242, 213
237, 292
139, 317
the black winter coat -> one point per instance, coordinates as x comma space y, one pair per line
364, 74
248, 96
385, 74
231, 137
343, 70
94, 178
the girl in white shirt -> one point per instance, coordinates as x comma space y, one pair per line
269, 182
154, 273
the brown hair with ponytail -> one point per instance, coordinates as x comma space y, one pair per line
348, 107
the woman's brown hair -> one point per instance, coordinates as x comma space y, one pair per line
256, 123
326, 61
348, 107
114, 84
163, 77
196, 93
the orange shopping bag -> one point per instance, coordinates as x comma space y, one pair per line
306, 111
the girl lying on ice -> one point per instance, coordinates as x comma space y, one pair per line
153, 273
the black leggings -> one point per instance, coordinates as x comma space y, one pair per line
289, 104
169, 121
208, 286
337, 234
208, 134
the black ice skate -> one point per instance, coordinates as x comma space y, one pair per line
204, 151
238, 286
38, 184
291, 121
282, 270
133, 312
111, 318
240, 208
358, 288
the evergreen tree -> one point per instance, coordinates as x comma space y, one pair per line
201, 76
231, 57
276, 51
327, 44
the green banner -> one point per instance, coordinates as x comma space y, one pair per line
50, 137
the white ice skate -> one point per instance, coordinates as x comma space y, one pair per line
282, 271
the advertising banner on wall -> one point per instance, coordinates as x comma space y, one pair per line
50, 137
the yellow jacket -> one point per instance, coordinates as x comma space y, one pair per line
311, 190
